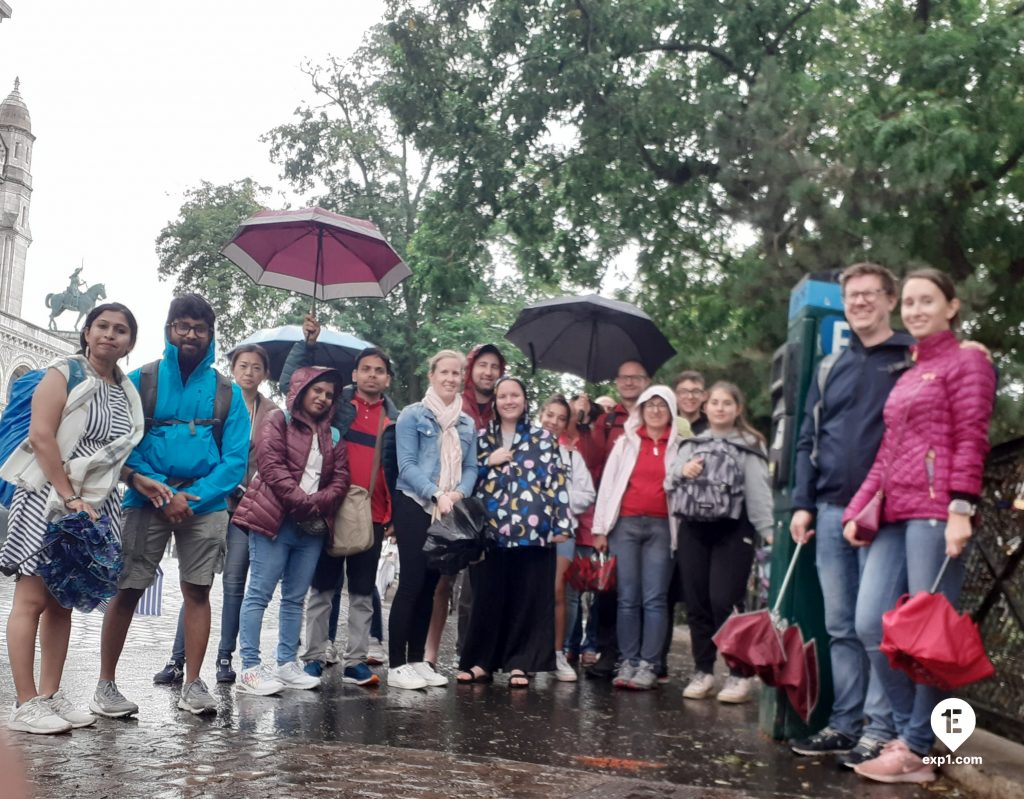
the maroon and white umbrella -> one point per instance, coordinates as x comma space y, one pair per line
318, 253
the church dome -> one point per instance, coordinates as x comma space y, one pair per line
14, 112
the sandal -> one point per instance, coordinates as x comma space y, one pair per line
475, 675
518, 679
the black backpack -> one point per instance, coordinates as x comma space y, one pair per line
148, 378
717, 493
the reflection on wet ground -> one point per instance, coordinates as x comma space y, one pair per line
589, 726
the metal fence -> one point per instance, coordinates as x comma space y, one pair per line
993, 592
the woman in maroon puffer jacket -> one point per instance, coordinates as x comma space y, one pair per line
929, 469
302, 477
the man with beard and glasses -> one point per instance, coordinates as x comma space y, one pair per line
197, 444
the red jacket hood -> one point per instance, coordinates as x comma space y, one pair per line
469, 403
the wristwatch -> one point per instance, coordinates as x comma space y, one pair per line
72, 498
963, 507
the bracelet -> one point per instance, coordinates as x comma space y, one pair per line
72, 498
128, 480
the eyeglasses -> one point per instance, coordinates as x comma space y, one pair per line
869, 295
184, 328
632, 378
690, 392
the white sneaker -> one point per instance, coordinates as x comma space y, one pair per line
258, 680
35, 716
700, 686
61, 706
292, 675
563, 671
431, 677
376, 654
736, 690
331, 654
406, 676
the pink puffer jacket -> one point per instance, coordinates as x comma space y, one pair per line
936, 432
282, 448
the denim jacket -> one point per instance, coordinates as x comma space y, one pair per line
419, 458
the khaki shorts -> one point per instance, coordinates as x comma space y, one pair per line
200, 542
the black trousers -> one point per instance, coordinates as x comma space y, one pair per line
414, 600
512, 625
714, 560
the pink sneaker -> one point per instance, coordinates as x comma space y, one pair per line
896, 763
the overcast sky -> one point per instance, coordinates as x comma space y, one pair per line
132, 103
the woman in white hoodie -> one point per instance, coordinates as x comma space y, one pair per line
719, 488
632, 519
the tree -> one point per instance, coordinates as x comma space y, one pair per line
189, 252
732, 147
347, 152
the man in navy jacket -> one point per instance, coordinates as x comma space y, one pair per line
841, 433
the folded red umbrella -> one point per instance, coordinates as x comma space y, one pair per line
593, 573
752, 643
925, 637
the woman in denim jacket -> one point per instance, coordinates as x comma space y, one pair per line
436, 445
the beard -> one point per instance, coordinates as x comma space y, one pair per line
484, 392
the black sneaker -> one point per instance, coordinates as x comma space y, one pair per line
604, 669
171, 674
866, 749
825, 742
225, 673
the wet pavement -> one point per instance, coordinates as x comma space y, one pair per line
555, 739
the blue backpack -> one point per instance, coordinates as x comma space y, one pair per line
17, 416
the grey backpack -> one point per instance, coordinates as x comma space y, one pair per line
717, 493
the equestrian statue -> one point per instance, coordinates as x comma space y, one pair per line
75, 299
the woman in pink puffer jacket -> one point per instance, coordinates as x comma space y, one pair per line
929, 469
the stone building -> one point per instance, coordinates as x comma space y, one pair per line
23, 346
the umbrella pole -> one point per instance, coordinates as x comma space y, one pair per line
318, 269
786, 579
942, 571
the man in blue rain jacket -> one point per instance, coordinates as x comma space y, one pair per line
195, 448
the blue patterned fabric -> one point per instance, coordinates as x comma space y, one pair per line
526, 502
82, 561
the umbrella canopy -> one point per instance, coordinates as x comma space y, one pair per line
798, 675
589, 336
750, 644
333, 349
925, 637
83, 561
318, 253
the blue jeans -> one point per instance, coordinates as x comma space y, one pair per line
858, 691
236, 569
643, 548
289, 559
904, 558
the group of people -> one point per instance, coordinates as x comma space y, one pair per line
671, 481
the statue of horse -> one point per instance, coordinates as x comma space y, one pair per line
82, 302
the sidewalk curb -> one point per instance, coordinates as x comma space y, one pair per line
1001, 774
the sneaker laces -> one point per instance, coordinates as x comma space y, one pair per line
60, 704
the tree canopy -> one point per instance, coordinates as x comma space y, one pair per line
516, 149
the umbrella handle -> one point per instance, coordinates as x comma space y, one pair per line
786, 579
942, 571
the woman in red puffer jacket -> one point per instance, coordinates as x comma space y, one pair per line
929, 470
302, 478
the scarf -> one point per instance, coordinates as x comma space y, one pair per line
93, 477
447, 417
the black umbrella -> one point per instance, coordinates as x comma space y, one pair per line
333, 349
589, 336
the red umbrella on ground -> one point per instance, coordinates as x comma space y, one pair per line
925, 637
318, 253
751, 643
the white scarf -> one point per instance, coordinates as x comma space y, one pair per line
447, 417
95, 477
